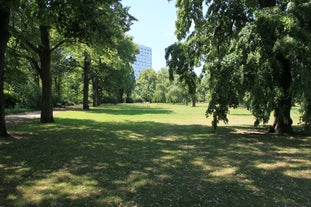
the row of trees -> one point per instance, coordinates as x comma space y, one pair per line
43, 43
253, 51
156, 87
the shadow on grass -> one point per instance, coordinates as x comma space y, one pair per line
130, 110
87, 163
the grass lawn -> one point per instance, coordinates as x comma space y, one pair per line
152, 155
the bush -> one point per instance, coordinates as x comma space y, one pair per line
29, 96
9, 101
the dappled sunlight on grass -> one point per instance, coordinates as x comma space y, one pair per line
146, 159
57, 185
304, 174
225, 172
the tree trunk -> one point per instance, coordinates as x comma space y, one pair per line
4, 38
46, 76
86, 80
58, 88
95, 91
186, 101
99, 93
282, 120
193, 100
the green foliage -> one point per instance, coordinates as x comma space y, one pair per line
146, 84
254, 53
174, 94
29, 96
101, 25
166, 90
181, 61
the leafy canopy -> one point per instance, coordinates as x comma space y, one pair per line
254, 52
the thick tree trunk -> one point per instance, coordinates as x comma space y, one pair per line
86, 80
193, 100
46, 76
4, 38
282, 120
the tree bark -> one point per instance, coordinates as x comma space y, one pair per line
4, 38
193, 100
46, 76
99, 93
282, 119
86, 80
95, 91
58, 88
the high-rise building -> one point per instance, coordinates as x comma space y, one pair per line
143, 59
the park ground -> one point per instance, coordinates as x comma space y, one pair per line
152, 155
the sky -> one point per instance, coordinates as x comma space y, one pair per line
155, 26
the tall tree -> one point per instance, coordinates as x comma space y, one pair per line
81, 20
4, 38
245, 48
86, 79
180, 61
114, 42
111, 69
146, 84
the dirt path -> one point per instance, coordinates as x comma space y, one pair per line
15, 119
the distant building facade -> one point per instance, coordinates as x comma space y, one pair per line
143, 59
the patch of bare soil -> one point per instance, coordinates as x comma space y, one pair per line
16, 119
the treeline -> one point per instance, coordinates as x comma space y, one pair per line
70, 74
156, 86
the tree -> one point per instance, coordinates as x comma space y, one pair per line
63, 65
86, 79
146, 84
121, 79
4, 38
162, 85
256, 51
174, 94
180, 61
111, 70
202, 91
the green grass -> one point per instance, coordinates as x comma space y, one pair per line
157, 155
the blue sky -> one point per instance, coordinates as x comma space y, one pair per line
155, 26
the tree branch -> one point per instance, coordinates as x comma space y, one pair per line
32, 60
57, 45
34, 64
24, 40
